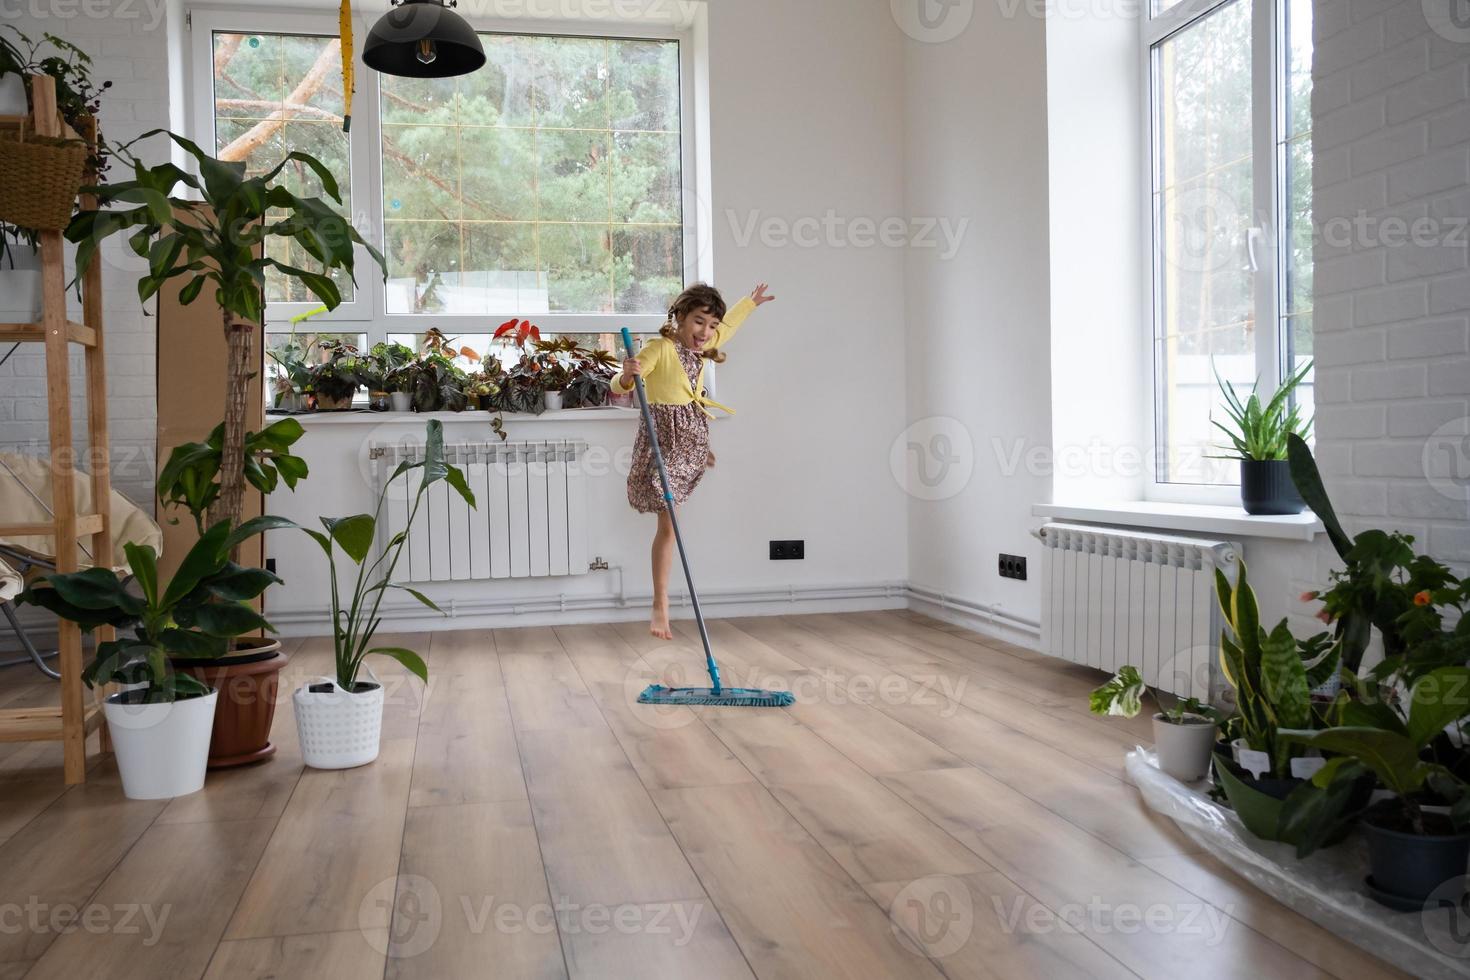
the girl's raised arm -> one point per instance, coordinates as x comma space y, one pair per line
737, 314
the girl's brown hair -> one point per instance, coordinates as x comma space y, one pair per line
699, 296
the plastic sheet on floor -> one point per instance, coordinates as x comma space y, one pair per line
1327, 887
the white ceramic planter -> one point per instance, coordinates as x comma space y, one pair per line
338, 729
20, 286
162, 750
13, 96
400, 401
552, 400
1184, 750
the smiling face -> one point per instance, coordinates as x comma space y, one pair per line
697, 328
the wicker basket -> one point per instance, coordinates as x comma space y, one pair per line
39, 180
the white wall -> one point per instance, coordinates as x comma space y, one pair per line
975, 136
128, 43
1392, 144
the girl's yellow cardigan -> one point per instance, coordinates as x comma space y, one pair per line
663, 376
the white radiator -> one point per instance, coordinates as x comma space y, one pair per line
1111, 596
531, 518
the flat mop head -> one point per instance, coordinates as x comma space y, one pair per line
744, 697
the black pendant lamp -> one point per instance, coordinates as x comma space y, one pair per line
422, 39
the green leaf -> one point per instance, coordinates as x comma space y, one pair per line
454, 476
238, 583
143, 563
1317, 812
1394, 758
1122, 695
1440, 698
256, 525
205, 558
415, 593
354, 534
188, 643
228, 619
94, 588
1309, 485
408, 658
1285, 679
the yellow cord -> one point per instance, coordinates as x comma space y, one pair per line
344, 28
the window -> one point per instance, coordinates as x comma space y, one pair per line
1229, 129
550, 184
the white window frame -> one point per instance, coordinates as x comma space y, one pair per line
366, 314
1268, 84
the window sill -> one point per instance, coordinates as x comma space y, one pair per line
355, 416
1206, 518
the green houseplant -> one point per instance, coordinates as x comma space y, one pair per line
1272, 675
1412, 848
161, 727
1184, 733
394, 362
335, 379
218, 241
340, 718
1257, 434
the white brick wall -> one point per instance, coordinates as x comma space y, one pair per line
1392, 311
128, 44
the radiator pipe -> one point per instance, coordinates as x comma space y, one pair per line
991, 612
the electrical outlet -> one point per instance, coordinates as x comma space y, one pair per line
788, 550
270, 565
1012, 566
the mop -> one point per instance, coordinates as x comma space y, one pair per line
715, 693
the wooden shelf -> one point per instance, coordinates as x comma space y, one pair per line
42, 724
77, 333
87, 525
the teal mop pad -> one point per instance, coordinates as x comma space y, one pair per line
717, 694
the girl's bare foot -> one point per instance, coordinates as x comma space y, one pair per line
658, 623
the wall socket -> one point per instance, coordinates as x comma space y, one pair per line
1013, 566
788, 550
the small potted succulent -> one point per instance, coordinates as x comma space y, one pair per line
1258, 435
340, 718
161, 723
1184, 734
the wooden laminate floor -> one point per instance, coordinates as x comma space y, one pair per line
935, 804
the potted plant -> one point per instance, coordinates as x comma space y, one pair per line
340, 718
1412, 848
219, 239
78, 99
160, 727
247, 673
336, 378
592, 372
293, 376
394, 362
1272, 675
1258, 439
1184, 735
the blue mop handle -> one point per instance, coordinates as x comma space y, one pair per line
663, 476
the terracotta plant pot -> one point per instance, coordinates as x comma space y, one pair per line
247, 682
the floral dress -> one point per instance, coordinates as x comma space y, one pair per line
683, 436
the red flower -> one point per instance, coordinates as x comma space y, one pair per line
1309, 597
1325, 616
1422, 598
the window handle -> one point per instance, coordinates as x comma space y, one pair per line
1253, 238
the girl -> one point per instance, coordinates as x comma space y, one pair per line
672, 367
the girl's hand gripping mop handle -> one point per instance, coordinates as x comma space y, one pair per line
663, 476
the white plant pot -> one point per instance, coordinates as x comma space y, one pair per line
552, 400
20, 286
1184, 750
339, 729
162, 750
400, 401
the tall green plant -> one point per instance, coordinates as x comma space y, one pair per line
219, 240
1259, 431
190, 478
356, 620
1272, 680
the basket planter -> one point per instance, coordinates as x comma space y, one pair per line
339, 729
326, 403
552, 400
1184, 748
162, 750
42, 178
400, 401
1406, 868
1266, 487
249, 680
20, 285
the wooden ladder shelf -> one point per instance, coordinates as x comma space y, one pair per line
74, 718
